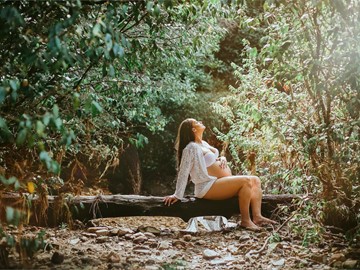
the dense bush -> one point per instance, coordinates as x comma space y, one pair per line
295, 113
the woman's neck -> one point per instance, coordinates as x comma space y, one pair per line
198, 138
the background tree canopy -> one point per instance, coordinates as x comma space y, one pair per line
80, 81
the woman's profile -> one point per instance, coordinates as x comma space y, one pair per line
212, 177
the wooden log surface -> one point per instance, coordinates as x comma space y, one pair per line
85, 208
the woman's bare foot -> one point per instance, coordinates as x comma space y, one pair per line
249, 225
260, 221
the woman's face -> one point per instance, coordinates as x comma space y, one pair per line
198, 126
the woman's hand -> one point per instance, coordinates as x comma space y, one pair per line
169, 200
223, 162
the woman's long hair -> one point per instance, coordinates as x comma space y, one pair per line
185, 135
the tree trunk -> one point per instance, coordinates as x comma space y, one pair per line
85, 208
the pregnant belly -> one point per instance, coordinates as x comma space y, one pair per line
217, 171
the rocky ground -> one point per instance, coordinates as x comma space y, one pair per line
162, 243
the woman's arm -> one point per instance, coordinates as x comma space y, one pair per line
186, 164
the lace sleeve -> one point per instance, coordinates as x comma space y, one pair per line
187, 162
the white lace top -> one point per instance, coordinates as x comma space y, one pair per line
193, 164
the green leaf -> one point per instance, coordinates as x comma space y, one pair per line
9, 214
111, 71
44, 156
58, 123
40, 127
76, 101
56, 111
9, 181
95, 108
17, 184
97, 30
3, 93
21, 137
58, 42
108, 41
253, 52
149, 6
157, 10
118, 50
46, 118
3, 124
14, 85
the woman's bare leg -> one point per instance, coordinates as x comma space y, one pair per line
256, 198
230, 186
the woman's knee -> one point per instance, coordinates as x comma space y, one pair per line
256, 181
246, 181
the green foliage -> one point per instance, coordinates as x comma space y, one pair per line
306, 223
173, 265
86, 76
80, 78
297, 103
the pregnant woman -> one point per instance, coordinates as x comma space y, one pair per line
212, 177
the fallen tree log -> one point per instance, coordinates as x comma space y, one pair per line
85, 208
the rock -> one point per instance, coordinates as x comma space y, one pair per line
89, 260
178, 243
217, 262
337, 265
149, 235
83, 238
163, 246
124, 231
90, 235
233, 249
114, 232
319, 258
150, 261
129, 236
187, 237
210, 254
102, 239
336, 257
303, 262
121, 265
138, 234
244, 238
149, 229
139, 238
200, 242
74, 241
102, 232
151, 267
280, 262
57, 258
350, 264
113, 257
141, 250
94, 229
152, 243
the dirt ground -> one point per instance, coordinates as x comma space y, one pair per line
162, 243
